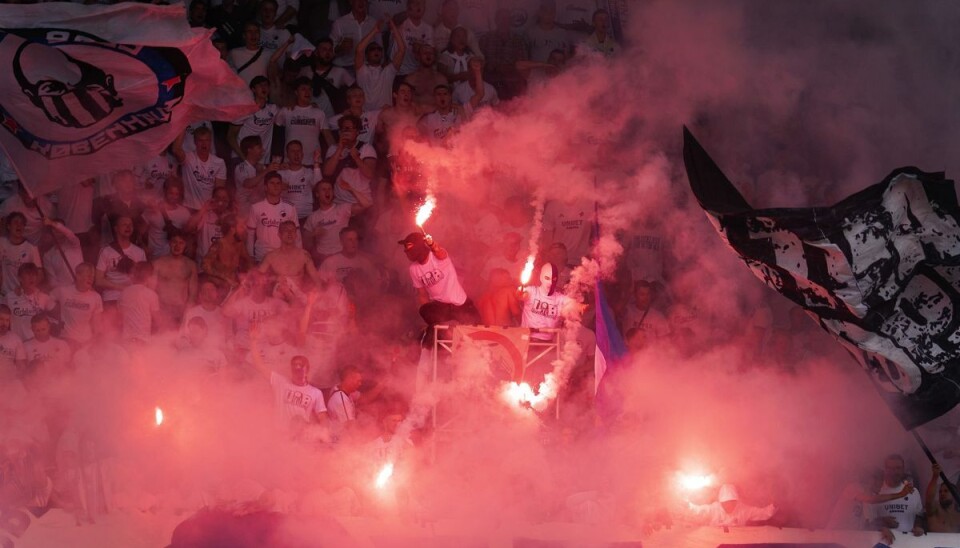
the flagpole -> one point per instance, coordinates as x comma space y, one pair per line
56, 243
933, 460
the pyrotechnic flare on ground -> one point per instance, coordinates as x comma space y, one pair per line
728, 510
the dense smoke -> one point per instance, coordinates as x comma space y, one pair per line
800, 103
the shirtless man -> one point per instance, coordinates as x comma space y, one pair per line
288, 262
942, 513
176, 282
394, 119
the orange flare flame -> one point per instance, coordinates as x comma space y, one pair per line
527, 271
158, 415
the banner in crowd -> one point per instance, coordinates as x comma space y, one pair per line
507, 347
90, 89
879, 270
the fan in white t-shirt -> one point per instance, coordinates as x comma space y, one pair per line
15, 250
265, 217
321, 230
298, 180
373, 76
117, 259
441, 297
304, 121
296, 401
80, 306
13, 357
544, 304
202, 170
43, 350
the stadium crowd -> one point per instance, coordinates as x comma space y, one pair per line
266, 250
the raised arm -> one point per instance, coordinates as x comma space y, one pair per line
358, 54
401, 45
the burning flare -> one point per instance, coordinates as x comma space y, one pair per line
527, 271
522, 395
426, 210
694, 482
384, 475
158, 415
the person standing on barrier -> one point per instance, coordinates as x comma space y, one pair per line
439, 293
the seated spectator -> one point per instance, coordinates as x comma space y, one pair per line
139, 306
339, 265
502, 49
165, 217
475, 93
455, 58
544, 304
176, 282
15, 250
942, 513
13, 356
373, 76
116, 261
729, 511
902, 513
228, 257
80, 307
27, 301
600, 40
425, 78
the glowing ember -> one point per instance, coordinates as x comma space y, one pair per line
426, 210
384, 476
693, 482
527, 271
158, 415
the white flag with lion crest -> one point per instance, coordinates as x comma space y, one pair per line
90, 89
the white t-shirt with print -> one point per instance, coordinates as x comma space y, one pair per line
439, 278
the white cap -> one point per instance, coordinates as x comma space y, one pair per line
727, 492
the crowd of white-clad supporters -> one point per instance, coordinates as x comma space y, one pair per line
265, 250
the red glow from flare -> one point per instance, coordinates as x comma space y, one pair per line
426, 210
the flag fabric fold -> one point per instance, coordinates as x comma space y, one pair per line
609, 356
92, 89
879, 270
